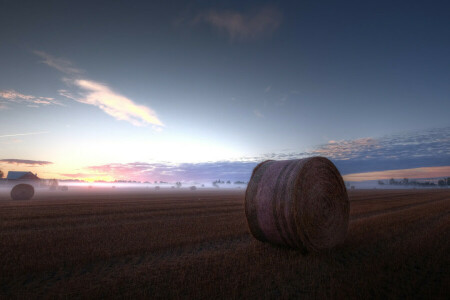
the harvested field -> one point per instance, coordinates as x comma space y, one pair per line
196, 244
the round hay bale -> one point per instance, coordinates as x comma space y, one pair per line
300, 203
22, 192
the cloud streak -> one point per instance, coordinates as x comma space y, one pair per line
114, 104
101, 95
59, 64
427, 172
13, 96
25, 161
240, 26
21, 134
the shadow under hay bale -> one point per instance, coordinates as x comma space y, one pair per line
300, 203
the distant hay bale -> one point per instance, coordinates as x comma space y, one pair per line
300, 203
22, 192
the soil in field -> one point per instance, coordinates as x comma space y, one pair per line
196, 245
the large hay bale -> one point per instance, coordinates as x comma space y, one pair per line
22, 192
300, 203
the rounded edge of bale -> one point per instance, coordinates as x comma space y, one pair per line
22, 191
250, 207
321, 210
301, 204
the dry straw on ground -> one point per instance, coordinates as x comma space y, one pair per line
300, 203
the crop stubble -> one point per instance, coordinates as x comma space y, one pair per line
197, 245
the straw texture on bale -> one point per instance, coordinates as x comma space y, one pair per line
300, 203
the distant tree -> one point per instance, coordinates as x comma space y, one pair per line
441, 182
448, 180
405, 181
178, 184
391, 181
380, 182
53, 183
1, 174
228, 182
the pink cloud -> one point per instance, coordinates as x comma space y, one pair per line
346, 149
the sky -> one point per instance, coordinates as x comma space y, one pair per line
203, 90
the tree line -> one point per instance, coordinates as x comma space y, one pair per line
405, 181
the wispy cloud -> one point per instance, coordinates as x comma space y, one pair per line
101, 95
241, 26
25, 162
59, 64
112, 103
13, 96
20, 134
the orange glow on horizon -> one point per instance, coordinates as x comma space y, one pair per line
426, 172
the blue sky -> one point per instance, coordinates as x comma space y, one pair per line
212, 86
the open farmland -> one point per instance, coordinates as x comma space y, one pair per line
195, 244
